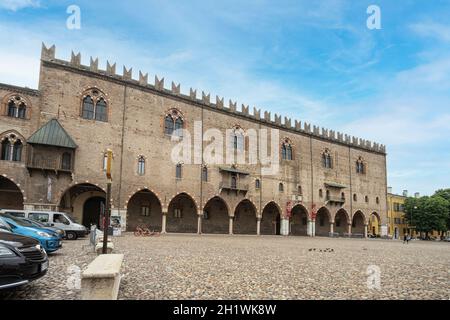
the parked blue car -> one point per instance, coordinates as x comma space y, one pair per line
49, 240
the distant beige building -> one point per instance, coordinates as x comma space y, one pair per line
54, 139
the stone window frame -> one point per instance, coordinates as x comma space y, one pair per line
141, 164
175, 114
327, 159
13, 138
257, 184
179, 171
361, 166
281, 187
18, 100
238, 131
96, 94
286, 144
205, 173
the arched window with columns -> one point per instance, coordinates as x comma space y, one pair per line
174, 123
11, 147
94, 105
286, 149
16, 107
327, 159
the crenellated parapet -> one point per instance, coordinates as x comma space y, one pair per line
49, 55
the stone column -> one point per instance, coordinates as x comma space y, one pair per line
163, 224
230, 226
331, 228
349, 229
284, 227
199, 223
366, 227
309, 228
313, 228
258, 226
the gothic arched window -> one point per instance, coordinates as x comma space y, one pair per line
22, 111
179, 127
101, 110
327, 160
174, 123
360, 166
16, 107
12, 109
141, 166
6, 149
17, 151
178, 171
205, 174
94, 105
11, 148
257, 184
88, 108
168, 125
286, 150
237, 138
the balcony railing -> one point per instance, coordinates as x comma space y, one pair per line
225, 185
48, 164
336, 199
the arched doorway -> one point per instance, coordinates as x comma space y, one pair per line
341, 222
358, 223
85, 202
374, 224
299, 221
215, 217
93, 209
182, 215
244, 218
10, 195
144, 208
322, 224
271, 218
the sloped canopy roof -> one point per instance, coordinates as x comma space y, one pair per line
335, 185
233, 170
52, 134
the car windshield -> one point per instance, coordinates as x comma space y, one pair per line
35, 223
21, 222
71, 218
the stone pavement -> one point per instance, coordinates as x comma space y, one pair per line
250, 267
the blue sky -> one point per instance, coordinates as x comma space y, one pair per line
315, 61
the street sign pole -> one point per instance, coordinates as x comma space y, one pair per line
108, 203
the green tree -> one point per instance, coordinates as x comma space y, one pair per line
427, 213
444, 193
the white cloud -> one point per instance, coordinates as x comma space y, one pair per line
15, 5
433, 30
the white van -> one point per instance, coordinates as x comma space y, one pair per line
59, 220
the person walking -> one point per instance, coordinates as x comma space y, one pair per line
405, 238
408, 238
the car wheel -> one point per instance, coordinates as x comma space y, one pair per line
71, 235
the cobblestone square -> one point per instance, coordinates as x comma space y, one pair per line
251, 267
